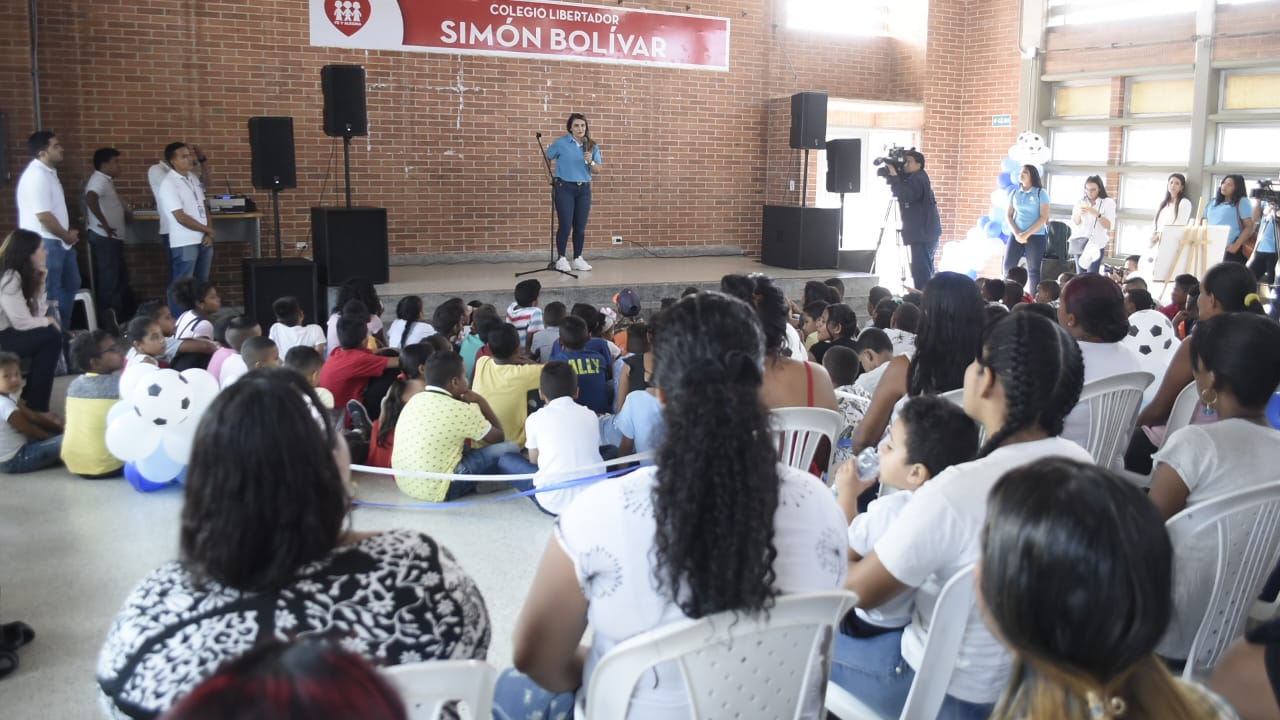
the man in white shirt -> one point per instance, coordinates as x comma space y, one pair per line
156, 174
106, 228
181, 200
42, 208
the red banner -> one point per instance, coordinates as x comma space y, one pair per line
530, 28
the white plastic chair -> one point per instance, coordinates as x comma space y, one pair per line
732, 665
1113, 413
1184, 409
929, 689
427, 687
1242, 531
797, 431
85, 296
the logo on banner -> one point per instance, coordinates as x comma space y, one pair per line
349, 15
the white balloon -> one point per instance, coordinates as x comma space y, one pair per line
163, 399
975, 234
129, 437
1000, 199
178, 441
204, 388
132, 375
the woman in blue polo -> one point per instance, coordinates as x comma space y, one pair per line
1028, 215
577, 159
1231, 207
1265, 255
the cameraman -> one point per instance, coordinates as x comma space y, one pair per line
1265, 254
921, 227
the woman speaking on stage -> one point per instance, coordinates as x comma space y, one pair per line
577, 159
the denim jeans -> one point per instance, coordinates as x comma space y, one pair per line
873, 670
517, 697
488, 460
41, 346
35, 455
63, 279
1036, 247
188, 261
109, 277
573, 205
922, 262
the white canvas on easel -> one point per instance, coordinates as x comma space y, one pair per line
1170, 262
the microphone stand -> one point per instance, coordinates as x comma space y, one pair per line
551, 179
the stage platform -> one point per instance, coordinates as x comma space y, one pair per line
653, 278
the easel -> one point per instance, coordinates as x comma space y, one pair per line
1195, 242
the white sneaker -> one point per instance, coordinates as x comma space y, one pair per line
563, 264
580, 264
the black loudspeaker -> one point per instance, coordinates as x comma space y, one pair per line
844, 165
271, 147
344, 107
1050, 269
267, 280
809, 120
350, 243
800, 238
857, 260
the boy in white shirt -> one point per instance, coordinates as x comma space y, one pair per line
875, 350
562, 436
928, 436
288, 331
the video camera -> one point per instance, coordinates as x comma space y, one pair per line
1265, 192
895, 155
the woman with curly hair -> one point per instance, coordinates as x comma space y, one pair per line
1025, 378
717, 525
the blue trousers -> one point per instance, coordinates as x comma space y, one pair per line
1036, 247
517, 697
573, 205
922, 262
873, 670
63, 281
188, 261
110, 279
502, 458
35, 455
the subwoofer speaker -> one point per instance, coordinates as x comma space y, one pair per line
844, 165
271, 148
350, 243
266, 280
345, 113
809, 120
800, 238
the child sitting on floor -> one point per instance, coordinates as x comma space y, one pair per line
1048, 292
89, 398
29, 440
838, 328
146, 341
930, 435
476, 345
307, 361
507, 379
875, 296
810, 320
353, 373
875, 350
200, 302
256, 352
233, 364
290, 328
540, 347
524, 313
382, 438
563, 438
593, 384
181, 353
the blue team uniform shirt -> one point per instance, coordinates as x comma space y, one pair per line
1229, 215
593, 385
567, 153
1026, 207
1267, 231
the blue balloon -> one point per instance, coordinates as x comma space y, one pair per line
994, 230
1273, 411
1009, 165
140, 483
973, 274
983, 222
1005, 237
1005, 181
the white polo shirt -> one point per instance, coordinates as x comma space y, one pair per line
40, 191
180, 192
108, 201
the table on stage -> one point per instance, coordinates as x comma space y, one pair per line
242, 227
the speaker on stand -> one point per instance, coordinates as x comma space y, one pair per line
844, 173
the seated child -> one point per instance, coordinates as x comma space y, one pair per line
1017, 276
1064, 278
200, 302
875, 296
233, 365
593, 385
410, 325
929, 435
356, 293
1137, 300
434, 428
224, 351
1048, 292
875, 350
524, 313
178, 352
352, 372
1014, 295
839, 329
447, 321
29, 440
89, 398
290, 328
563, 438
883, 317
993, 291
810, 321
540, 347
256, 352
146, 341
902, 329
506, 380
842, 365
382, 437
307, 361
483, 320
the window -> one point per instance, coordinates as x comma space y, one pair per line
839, 17
1066, 188
1076, 101
1133, 236
1080, 145
1142, 193
1157, 144
1250, 91
1084, 12
1160, 97
1251, 144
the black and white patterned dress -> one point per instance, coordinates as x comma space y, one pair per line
397, 597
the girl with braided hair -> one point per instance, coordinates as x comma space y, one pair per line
1024, 380
717, 525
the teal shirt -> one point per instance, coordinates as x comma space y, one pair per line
1229, 215
1026, 207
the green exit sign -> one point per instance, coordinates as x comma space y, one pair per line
1001, 121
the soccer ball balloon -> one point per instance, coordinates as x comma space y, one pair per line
162, 399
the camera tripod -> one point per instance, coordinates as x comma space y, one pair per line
893, 212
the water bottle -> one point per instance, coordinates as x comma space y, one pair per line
869, 463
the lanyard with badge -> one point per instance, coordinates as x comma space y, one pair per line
195, 196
